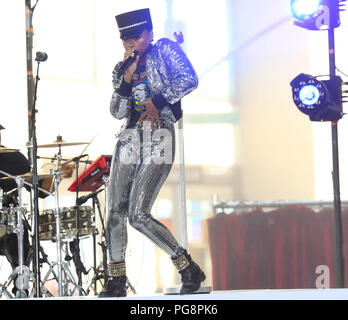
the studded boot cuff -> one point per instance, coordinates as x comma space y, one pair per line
117, 269
182, 262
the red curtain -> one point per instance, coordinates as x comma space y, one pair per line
278, 249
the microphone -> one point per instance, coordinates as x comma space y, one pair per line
41, 56
79, 157
126, 64
83, 199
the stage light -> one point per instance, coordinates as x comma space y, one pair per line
320, 100
309, 95
304, 8
316, 14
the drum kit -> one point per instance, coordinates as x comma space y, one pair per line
60, 225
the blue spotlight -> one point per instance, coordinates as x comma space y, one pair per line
309, 95
304, 8
317, 14
320, 100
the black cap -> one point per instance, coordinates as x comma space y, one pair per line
1, 127
132, 24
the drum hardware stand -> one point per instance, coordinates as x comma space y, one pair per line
94, 280
68, 278
63, 271
26, 183
23, 272
66, 275
102, 244
56, 181
75, 244
52, 159
21, 275
98, 276
74, 248
43, 260
46, 293
4, 291
106, 180
61, 266
101, 271
57, 157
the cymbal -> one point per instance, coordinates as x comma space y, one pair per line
60, 143
28, 176
7, 150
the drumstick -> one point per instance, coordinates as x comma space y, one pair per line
71, 160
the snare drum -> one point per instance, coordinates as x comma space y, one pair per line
7, 221
74, 221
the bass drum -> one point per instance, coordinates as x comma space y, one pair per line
74, 222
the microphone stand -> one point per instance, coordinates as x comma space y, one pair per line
35, 183
29, 10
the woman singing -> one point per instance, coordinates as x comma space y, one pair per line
147, 94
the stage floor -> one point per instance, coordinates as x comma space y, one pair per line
293, 294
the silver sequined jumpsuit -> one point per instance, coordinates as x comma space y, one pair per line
142, 159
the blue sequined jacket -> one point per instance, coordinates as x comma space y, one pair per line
170, 76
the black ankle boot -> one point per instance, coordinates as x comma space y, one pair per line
191, 273
114, 287
116, 283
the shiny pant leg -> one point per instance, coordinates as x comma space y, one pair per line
133, 189
121, 176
